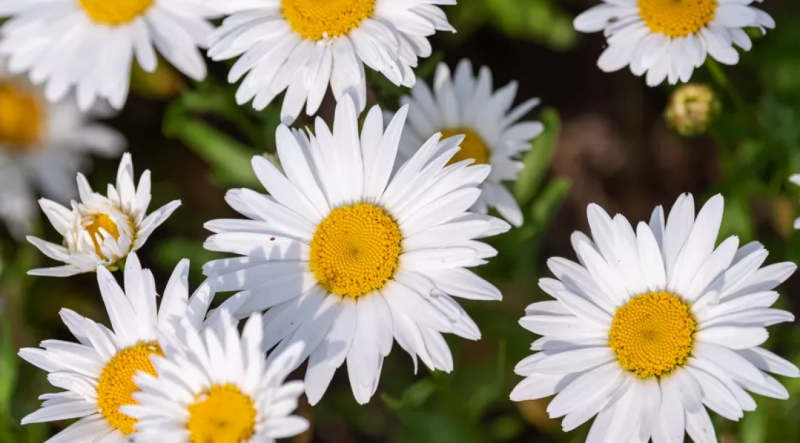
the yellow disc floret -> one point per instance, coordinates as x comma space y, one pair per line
97, 222
355, 249
114, 12
318, 19
21, 118
653, 334
222, 415
472, 147
115, 387
677, 18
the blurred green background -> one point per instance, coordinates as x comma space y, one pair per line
606, 142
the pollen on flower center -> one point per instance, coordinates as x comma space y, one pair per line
21, 118
115, 387
318, 19
472, 147
653, 334
355, 249
222, 415
97, 222
116, 12
677, 18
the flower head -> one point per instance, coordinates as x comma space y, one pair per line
97, 373
301, 46
101, 230
348, 257
216, 387
466, 105
668, 39
655, 325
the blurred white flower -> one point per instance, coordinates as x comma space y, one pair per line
42, 147
90, 44
101, 230
668, 39
467, 105
301, 46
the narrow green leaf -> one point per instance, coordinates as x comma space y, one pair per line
537, 160
228, 158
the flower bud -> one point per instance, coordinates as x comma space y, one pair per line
692, 109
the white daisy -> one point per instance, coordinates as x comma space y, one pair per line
347, 257
467, 105
90, 44
97, 373
217, 387
100, 230
654, 324
42, 147
303, 45
669, 38
796, 180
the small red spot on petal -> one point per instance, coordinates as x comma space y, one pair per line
272, 239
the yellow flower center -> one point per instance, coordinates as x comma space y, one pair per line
115, 12
222, 415
116, 387
653, 334
355, 249
318, 19
472, 147
96, 222
21, 118
677, 18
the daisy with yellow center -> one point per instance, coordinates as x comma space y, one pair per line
668, 39
42, 147
466, 104
653, 326
104, 38
347, 257
98, 372
302, 46
216, 387
101, 230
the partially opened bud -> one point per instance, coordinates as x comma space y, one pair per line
692, 109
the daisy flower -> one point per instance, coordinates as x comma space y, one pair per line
97, 372
466, 105
100, 230
654, 326
42, 147
218, 388
301, 46
347, 257
90, 44
667, 39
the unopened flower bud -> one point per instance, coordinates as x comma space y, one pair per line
692, 109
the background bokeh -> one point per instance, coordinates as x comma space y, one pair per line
606, 142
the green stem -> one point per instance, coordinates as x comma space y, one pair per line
719, 76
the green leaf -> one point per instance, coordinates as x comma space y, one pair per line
228, 158
8, 367
537, 160
545, 207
